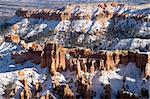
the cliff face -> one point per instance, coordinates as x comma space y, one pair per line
54, 56
79, 25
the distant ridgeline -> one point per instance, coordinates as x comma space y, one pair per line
83, 24
101, 20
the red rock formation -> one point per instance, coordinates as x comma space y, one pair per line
102, 5
34, 46
47, 56
114, 4
147, 70
116, 58
62, 58
53, 15
54, 56
109, 63
12, 38
26, 92
66, 15
15, 28
92, 68
85, 53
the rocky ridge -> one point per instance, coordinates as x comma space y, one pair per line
84, 25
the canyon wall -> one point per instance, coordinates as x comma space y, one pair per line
58, 58
66, 13
84, 25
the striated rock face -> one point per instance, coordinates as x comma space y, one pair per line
117, 58
84, 62
109, 61
66, 13
54, 56
45, 14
